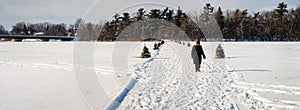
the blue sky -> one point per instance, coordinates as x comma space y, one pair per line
67, 11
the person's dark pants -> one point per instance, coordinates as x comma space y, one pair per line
197, 64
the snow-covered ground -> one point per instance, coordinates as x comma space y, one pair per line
53, 75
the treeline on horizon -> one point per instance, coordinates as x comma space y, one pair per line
280, 24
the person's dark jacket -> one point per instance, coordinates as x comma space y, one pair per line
197, 53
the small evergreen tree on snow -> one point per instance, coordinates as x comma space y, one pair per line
162, 42
188, 44
220, 52
155, 46
145, 53
159, 44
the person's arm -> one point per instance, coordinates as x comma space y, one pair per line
204, 57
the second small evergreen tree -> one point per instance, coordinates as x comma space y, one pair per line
220, 52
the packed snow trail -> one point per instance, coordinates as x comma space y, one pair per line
170, 82
139, 73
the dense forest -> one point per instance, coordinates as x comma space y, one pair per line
280, 24
49, 29
156, 24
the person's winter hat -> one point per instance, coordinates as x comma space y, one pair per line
198, 42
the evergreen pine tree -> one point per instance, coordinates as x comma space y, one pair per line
188, 44
220, 52
145, 53
162, 42
159, 44
155, 46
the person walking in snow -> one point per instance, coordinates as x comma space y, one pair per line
197, 53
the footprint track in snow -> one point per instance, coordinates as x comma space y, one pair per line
175, 85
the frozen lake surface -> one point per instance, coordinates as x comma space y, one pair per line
79, 76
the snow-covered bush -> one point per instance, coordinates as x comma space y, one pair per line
220, 52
